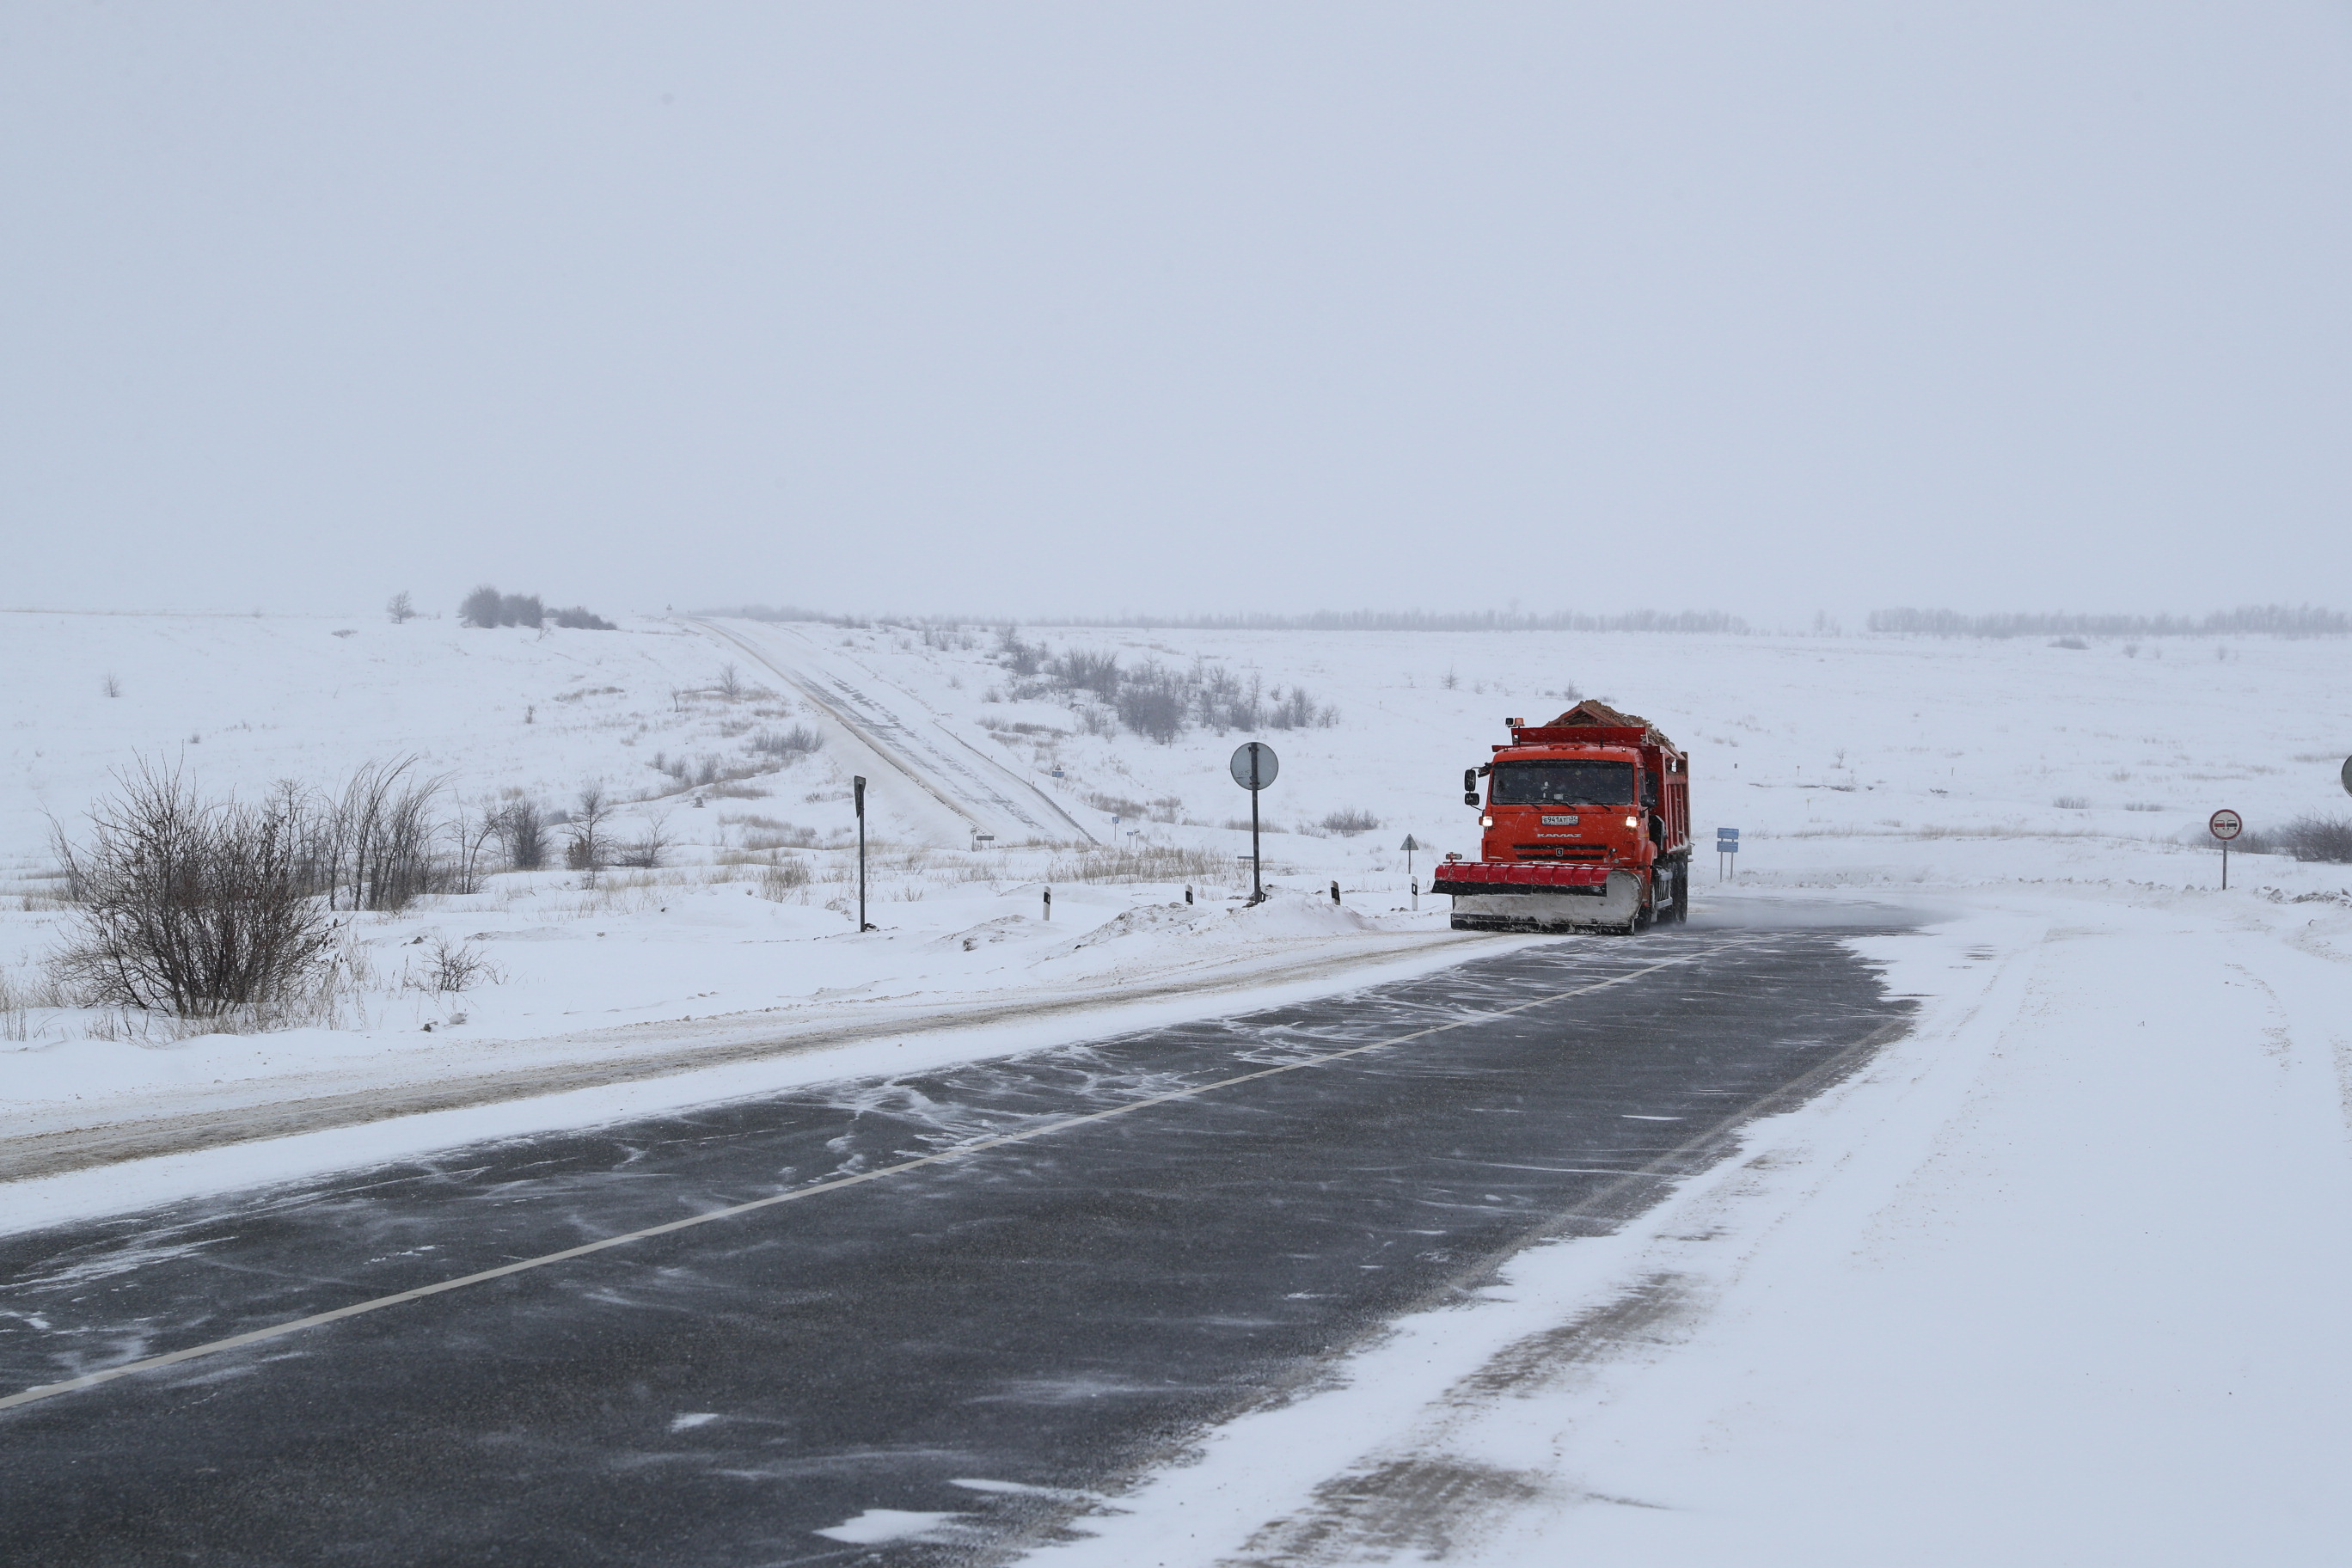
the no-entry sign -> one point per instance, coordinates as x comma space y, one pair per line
2226, 825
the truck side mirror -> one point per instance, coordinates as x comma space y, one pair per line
1469, 797
1469, 786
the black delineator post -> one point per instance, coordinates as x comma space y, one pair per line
857, 790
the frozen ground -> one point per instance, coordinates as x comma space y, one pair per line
2054, 1281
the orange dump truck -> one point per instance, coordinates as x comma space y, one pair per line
1585, 827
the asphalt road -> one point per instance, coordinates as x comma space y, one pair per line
1000, 1336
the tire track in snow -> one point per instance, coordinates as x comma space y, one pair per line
981, 791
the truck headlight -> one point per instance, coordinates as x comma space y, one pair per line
1632, 822
1486, 822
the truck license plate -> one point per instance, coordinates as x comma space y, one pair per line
1560, 822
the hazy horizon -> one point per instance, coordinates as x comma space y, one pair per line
1052, 311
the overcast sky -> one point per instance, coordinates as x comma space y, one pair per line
1181, 308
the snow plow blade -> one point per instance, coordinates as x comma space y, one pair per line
1540, 898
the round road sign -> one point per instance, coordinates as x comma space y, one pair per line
1254, 764
2346, 775
2226, 825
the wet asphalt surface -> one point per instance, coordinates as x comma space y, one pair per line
1001, 1338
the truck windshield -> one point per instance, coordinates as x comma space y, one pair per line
1563, 784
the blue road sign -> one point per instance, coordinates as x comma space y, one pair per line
1727, 841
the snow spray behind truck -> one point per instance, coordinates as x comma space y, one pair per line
1586, 826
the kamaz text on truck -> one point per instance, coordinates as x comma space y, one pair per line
1585, 827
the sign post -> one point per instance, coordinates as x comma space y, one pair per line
2225, 824
1727, 849
1254, 767
857, 792
1409, 846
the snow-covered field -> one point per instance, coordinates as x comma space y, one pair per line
2055, 1281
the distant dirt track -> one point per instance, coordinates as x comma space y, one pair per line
74, 1149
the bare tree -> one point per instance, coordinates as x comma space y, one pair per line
192, 906
730, 682
401, 607
482, 608
472, 834
111, 685
591, 848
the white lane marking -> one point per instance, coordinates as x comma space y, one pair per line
978, 1145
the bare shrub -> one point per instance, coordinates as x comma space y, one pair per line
111, 685
2071, 803
730, 683
1151, 698
1165, 808
644, 852
1140, 863
1299, 711
1156, 712
19, 997
1354, 819
372, 845
401, 607
190, 906
522, 835
579, 618
452, 966
486, 607
2323, 838
800, 741
781, 879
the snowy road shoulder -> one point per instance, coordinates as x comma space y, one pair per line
287, 1126
2055, 1279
